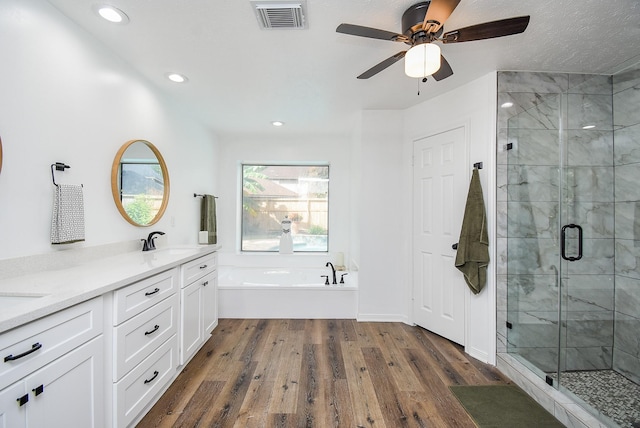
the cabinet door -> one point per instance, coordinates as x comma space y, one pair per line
210, 302
69, 391
13, 406
191, 305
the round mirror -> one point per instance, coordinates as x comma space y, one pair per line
140, 183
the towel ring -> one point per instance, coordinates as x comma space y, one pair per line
60, 166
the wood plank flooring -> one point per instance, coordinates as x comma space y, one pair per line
321, 373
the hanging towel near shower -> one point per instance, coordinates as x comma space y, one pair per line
472, 257
208, 218
67, 220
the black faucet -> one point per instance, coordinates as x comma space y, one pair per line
333, 270
149, 243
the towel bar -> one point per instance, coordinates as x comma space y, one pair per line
195, 195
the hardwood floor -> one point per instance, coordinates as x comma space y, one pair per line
321, 373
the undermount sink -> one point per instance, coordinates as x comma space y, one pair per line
10, 300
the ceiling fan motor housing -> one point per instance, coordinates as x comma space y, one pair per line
413, 18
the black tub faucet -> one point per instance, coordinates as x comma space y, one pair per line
149, 244
333, 271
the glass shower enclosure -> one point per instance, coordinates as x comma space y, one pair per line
571, 166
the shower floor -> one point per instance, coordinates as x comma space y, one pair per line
607, 391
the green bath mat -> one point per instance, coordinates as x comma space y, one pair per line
503, 406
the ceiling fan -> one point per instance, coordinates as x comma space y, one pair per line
422, 26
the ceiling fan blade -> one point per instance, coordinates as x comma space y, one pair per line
372, 33
444, 71
487, 30
382, 65
437, 13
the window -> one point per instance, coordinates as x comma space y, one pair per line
271, 192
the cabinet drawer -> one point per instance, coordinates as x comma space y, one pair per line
198, 268
135, 298
141, 335
138, 388
29, 347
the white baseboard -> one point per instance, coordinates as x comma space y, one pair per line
382, 318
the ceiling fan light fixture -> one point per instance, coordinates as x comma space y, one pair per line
422, 60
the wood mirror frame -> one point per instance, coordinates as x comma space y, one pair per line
115, 182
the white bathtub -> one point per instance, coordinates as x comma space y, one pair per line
249, 292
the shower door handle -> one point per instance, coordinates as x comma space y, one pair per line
563, 242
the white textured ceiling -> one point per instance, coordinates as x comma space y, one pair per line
241, 78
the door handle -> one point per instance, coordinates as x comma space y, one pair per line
455, 246
563, 241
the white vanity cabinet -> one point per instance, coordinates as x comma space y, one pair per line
199, 303
106, 340
145, 343
52, 370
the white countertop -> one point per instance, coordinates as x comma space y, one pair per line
60, 289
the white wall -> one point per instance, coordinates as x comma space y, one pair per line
66, 98
473, 106
235, 150
382, 276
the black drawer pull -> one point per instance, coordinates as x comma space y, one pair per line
205, 283
34, 348
151, 293
23, 400
38, 390
146, 333
203, 267
155, 375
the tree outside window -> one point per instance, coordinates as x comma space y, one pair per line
271, 192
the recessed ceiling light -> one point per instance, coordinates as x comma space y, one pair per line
507, 104
588, 127
111, 14
176, 77
277, 123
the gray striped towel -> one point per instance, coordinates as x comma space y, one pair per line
67, 221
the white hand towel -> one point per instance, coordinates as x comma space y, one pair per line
67, 221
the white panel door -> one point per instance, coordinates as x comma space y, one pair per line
192, 334
440, 186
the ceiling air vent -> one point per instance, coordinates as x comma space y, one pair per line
280, 15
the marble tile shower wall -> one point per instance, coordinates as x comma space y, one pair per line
549, 109
626, 116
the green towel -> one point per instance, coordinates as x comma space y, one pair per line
472, 258
208, 218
